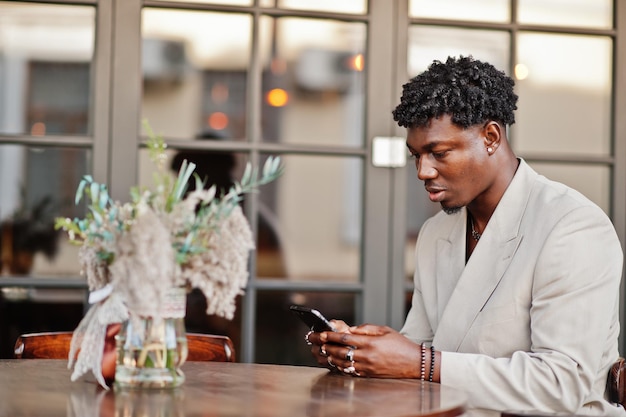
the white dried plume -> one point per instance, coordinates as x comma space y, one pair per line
221, 272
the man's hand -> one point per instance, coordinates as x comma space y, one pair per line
316, 345
377, 351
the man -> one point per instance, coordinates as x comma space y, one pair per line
517, 279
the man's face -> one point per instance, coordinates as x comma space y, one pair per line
451, 161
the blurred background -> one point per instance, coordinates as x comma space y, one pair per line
231, 81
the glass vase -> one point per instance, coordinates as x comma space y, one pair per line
150, 351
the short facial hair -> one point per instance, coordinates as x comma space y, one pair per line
451, 210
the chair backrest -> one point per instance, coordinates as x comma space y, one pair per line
46, 345
210, 348
616, 382
56, 345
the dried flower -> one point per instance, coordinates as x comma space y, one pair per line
164, 238
132, 254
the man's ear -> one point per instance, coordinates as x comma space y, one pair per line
493, 134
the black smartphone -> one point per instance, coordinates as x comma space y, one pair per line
312, 318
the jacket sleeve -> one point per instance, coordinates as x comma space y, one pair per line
573, 318
416, 326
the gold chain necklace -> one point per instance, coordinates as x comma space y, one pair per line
475, 234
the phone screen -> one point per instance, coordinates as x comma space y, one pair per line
312, 318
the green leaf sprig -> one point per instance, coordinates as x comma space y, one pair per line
106, 219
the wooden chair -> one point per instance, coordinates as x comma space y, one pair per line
209, 347
47, 345
616, 382
56, 345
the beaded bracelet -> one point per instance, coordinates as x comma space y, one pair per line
423, 363
432, 364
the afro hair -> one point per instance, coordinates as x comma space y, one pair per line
470, 91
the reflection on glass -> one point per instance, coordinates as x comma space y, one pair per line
583, 13
313, 81
344, 6
271, 259
592, 181
564, 78
319, 209
128, 402
476, 10
427, 43
46, 53
36, 186
280, 333
196, 63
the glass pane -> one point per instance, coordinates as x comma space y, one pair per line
45, 62
344, 6
476, 10
319, 210
419, 208
562, 79
43, 310
36, 186
280, 333
313, 76
592, 181
196, 63
427, 43
197, 320
582, 13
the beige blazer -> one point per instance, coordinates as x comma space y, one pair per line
530, 323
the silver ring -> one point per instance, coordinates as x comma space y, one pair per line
350, 370
306, 338
330, 362
323, 351
350, 355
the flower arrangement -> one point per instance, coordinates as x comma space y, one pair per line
133, 253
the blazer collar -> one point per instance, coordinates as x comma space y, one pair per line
464, 289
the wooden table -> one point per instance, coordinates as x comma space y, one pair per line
38, 387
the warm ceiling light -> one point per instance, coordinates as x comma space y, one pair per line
218, 121
521, 71
277, 97
357, 62
38, 129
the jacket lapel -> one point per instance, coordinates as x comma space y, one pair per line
486, 266
450, 264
